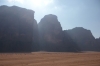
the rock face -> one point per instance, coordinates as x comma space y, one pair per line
19, 32
83, 38
18, 29
50, 32
52, 38
69, 44
97, 45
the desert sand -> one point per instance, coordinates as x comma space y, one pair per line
50, 59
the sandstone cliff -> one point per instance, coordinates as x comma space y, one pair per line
83, 37
50, 32
52, 37
18, 30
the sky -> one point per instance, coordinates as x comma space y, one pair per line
70, 13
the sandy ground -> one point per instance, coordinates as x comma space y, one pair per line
50, 59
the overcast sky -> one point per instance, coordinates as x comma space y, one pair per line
70, 13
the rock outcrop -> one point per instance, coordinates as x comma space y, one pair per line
83, 37
19, 32
97, 45
18, 29
50, 32
52, 38
69, 44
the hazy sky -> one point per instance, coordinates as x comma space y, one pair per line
70, 13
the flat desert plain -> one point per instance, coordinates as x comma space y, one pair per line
50, 59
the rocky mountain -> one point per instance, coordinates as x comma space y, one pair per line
50, 32
18, 29
83, 37
52, 37
19, 32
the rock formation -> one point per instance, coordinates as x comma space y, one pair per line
83, 37
97, 45
50, 32
19, 32
69, 44
52, 38
18, 29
